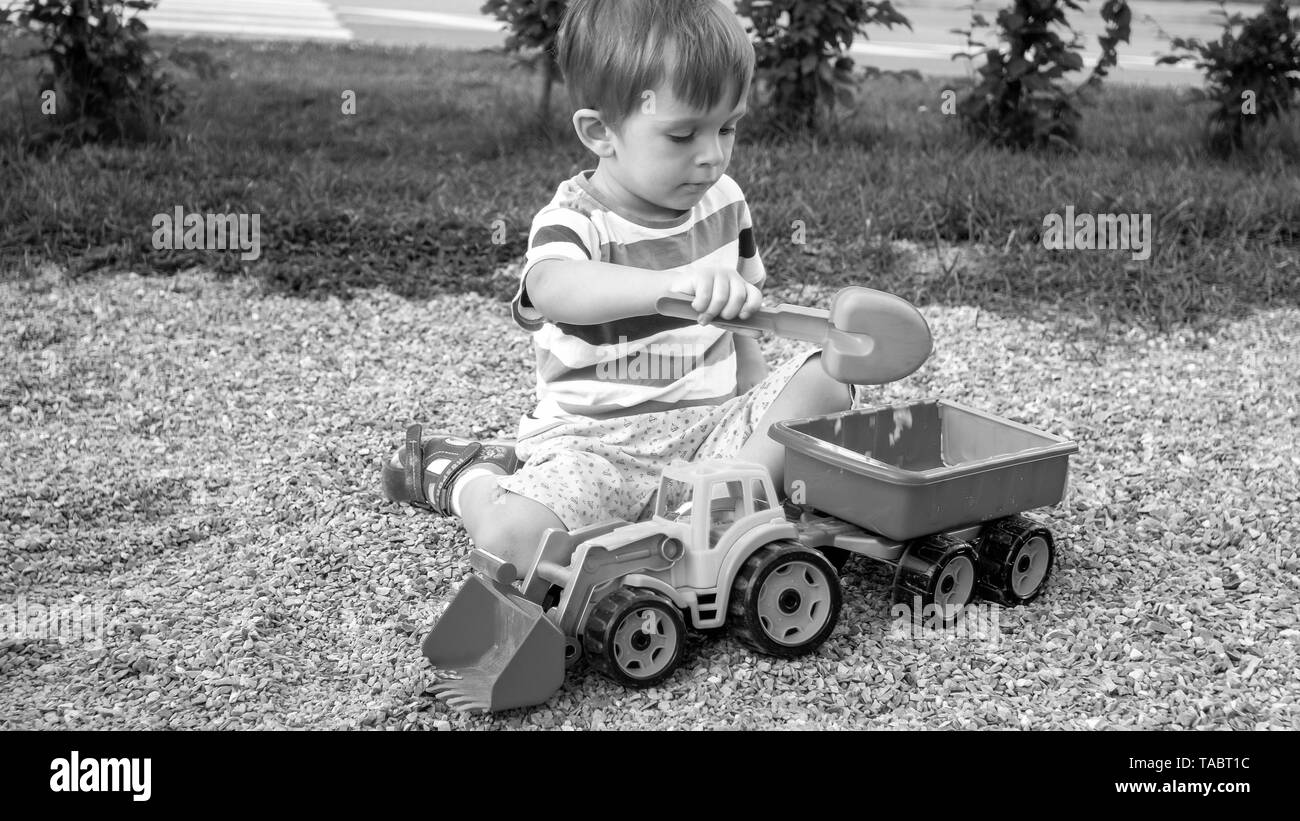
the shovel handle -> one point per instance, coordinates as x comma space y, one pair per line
785, 320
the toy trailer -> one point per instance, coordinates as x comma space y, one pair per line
932, 487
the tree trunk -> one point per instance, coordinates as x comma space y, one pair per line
544, 98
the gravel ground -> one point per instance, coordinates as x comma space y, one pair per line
197, 465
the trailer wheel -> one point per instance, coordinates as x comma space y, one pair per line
1016, 557
634, 637
785, 601
938, 574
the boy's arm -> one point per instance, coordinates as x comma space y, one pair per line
751, 367
586, 292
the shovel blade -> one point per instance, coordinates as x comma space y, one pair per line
875, 337
500, 649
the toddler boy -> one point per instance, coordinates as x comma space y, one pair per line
657, 88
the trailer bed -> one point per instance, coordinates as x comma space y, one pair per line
911, 470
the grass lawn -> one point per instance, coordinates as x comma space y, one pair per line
406, 193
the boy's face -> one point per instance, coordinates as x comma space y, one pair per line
665, 155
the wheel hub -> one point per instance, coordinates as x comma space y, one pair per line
644, 642
789, 601
1031, 566
955, 586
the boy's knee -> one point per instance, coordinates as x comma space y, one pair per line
512, 535
815, 387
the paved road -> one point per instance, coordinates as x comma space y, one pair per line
261, 19
928, 47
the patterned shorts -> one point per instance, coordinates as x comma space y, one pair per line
593, 471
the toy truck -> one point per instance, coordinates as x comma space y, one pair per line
932, 488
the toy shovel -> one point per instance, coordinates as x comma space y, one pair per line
868, 337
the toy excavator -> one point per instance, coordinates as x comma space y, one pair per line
932, 488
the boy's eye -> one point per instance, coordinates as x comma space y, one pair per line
685, 138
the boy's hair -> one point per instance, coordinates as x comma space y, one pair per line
612, 51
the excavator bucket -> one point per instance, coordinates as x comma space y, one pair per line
499, 649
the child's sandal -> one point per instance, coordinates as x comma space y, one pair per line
423, 472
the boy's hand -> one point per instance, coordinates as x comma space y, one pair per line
719, 293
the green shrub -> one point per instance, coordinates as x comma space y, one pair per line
1253, 75
1017, 100
104, 76
800, 48
533, 26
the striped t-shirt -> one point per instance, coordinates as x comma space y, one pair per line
639, 364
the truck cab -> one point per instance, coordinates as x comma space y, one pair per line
714, 502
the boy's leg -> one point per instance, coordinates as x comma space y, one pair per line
809, 391
566, 482
454, 476
505, 524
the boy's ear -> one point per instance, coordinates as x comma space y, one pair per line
593, 132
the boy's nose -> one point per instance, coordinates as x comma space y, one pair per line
711, 154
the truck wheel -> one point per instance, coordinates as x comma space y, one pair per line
939, 573
785, 600
1016, 556
634, 637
